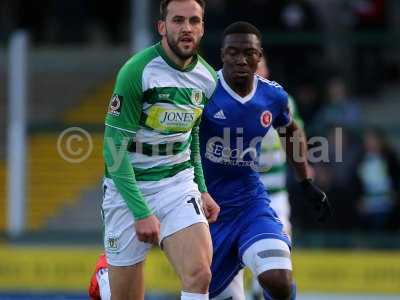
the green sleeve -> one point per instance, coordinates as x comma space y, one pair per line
122, 121
196, 160
126, 104
295, 113
121, 171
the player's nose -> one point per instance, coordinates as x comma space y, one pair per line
186, 27
241, 60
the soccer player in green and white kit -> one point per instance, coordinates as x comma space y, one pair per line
154, 185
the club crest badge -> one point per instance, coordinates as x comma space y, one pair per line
197, 97
266, 119
111, 243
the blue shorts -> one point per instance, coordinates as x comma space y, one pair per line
231, 237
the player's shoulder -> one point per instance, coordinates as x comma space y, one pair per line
270, 86
208, 76
212, 73
269, 83
137, 63
272, 89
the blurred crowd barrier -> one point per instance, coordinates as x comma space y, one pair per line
68, 269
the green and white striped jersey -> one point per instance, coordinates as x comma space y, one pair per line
159, 104
152, 121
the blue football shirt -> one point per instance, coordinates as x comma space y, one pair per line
231, 132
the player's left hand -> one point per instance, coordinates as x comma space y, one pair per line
318, 199
210, 207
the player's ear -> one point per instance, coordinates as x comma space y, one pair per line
222, 54
161, 27
202, 28
260, 55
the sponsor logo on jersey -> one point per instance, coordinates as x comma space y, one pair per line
177, 117
266, 119
222, 150
114, 108
197, 97
171, 120
220, 115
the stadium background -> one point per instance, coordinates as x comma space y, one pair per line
339, 59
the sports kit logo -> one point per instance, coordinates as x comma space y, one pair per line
112, 243
114, 108
266, 118
197, 97
220, 115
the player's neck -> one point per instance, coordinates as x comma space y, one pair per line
181, 63
243, 88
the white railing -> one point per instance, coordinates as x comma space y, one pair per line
16, 133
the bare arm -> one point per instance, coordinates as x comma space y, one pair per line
294, 142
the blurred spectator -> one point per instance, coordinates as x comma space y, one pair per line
335, 172
344, 151
308, 98
338, 120
298, 15
295, 62
379, 179
340, 109
338, 175
284, 15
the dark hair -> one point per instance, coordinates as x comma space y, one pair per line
164, 5
242, 27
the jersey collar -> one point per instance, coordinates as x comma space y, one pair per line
164, 55
235, 95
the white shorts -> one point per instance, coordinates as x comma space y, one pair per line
175, 201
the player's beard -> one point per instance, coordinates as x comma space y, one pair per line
173, 45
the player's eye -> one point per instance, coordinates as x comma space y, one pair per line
195, 20
231, 51
178, 20
250, 53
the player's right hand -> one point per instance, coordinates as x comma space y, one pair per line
148, 230
210, 208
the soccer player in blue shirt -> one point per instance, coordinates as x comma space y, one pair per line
248, 232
